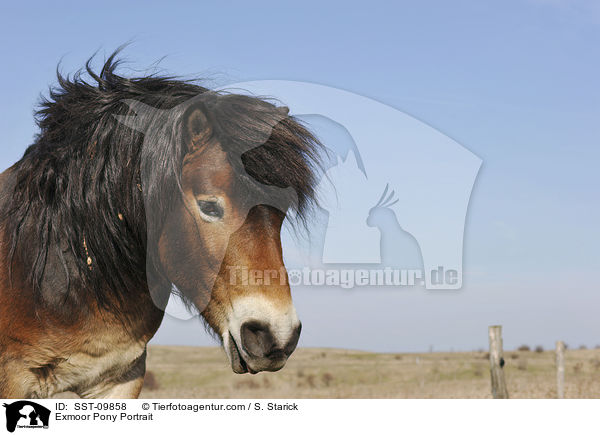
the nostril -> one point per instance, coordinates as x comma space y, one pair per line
293, 342
258, 341
257, 338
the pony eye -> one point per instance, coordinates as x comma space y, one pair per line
211, 209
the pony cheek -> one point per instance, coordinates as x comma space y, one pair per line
191, 259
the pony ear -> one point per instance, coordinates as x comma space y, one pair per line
197, 129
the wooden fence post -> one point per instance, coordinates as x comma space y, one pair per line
560, 369
499, 390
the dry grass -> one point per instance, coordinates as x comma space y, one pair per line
202, 372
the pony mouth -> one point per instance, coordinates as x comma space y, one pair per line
238, 364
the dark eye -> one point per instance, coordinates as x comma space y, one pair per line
211, 209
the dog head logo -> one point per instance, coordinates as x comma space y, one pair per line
26, 414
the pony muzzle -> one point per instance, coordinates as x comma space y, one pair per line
261, 343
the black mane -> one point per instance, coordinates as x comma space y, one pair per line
78, 187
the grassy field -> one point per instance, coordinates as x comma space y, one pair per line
203, 372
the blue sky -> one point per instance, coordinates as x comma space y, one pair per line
515, 82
